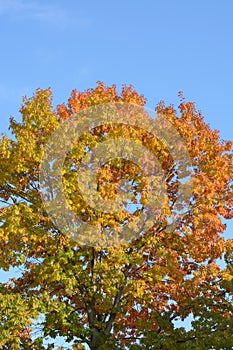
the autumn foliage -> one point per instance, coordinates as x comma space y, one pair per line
117, 297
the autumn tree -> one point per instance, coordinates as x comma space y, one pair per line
99, 293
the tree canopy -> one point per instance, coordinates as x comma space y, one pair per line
129, 295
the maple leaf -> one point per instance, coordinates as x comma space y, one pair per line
127, 295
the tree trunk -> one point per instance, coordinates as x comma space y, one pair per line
96, 340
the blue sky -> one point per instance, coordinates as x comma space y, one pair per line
159, 46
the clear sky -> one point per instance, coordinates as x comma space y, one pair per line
159, 46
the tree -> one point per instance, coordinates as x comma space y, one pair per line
125, 296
